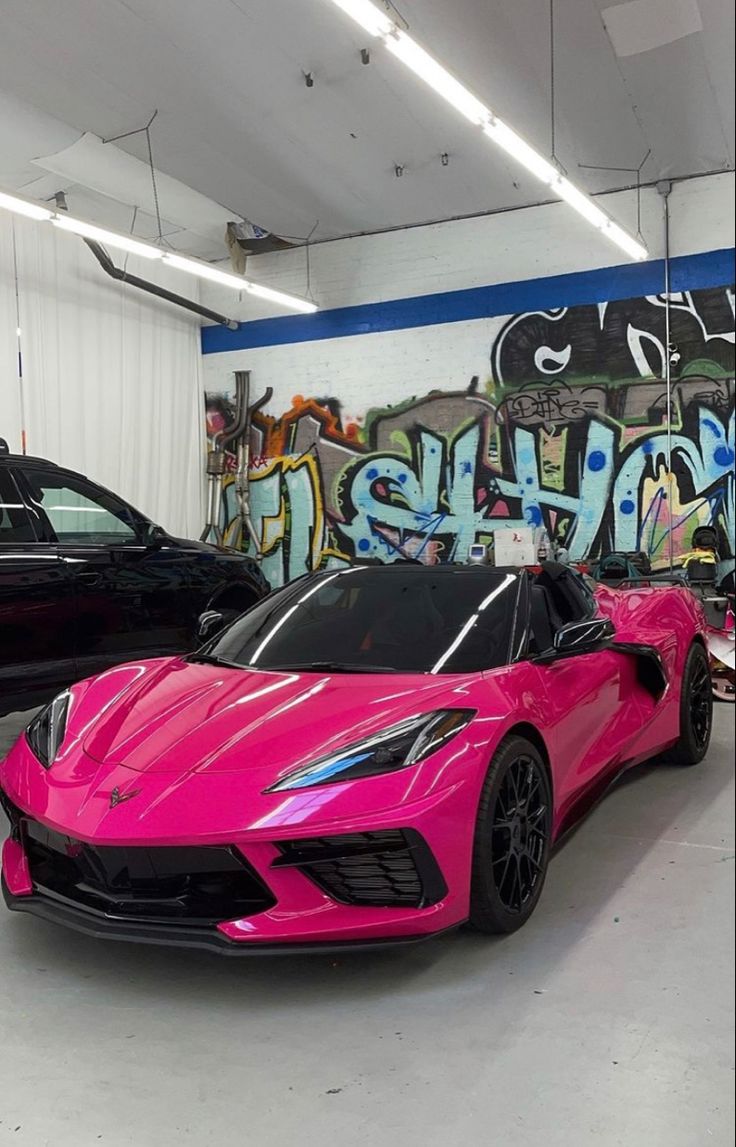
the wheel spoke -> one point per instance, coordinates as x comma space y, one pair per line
514, 785
527, 782
512, 883
532, 792
508, 858
517, 883
519, 833
504, 806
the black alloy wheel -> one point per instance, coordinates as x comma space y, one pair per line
519, 833
701, 707
696, 709
512, 838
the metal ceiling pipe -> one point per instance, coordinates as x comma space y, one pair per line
122, 276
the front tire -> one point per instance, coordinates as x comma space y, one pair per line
696, 709
512, 838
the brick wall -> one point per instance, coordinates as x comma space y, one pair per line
420, 439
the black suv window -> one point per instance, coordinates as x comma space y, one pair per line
77, 511
15, 524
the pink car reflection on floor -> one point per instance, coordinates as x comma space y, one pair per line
370, 755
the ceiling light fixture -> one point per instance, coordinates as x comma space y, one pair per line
215, 275
102, 235
378, 23
24, 207
202, 270
370, 18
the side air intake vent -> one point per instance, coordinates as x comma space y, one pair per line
391, 868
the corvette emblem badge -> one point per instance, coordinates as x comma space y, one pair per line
116, 797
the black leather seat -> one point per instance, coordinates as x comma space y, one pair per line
545, 621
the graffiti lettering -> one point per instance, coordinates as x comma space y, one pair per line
571, 433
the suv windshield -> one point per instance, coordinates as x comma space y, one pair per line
410, 619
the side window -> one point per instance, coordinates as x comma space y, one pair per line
79, 512
15, 523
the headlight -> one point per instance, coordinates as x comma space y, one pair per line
395, 748
48, 728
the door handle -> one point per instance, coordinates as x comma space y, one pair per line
90, 579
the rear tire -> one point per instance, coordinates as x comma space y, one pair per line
696, 709
512, 839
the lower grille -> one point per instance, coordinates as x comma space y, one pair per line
387, 869
199, 886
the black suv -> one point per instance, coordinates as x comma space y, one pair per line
87, 582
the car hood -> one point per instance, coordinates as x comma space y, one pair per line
179, 717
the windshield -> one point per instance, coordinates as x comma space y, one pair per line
390, 619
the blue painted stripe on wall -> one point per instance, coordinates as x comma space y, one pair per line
631, 280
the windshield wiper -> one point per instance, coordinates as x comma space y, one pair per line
211, 659
332, 667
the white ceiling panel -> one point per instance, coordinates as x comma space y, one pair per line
237, 123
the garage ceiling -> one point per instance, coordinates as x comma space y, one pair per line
237, 122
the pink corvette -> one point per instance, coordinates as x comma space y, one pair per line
371, 755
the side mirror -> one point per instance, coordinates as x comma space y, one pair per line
154, 536
582, 636
208, 624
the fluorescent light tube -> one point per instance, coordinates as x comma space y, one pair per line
297, 304
148, 251
238, 283
580, 202
438, 78
374, 20
625, 241
110, 238
521, 151
205, 271
24, 207
370, 18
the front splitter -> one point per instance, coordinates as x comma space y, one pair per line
174, 936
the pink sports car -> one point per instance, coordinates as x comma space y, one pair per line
371, 755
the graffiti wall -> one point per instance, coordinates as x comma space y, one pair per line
571, 429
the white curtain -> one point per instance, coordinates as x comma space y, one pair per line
112, 382
10, 416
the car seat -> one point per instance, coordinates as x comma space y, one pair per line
569, 598
701, 570
614, 567
705, 538
540, 618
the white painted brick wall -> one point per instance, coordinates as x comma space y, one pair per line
389, 367
364, 373
526, 244
366, 370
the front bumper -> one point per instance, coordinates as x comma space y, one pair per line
211, 940
401, 877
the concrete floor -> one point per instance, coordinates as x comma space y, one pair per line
607, 1020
